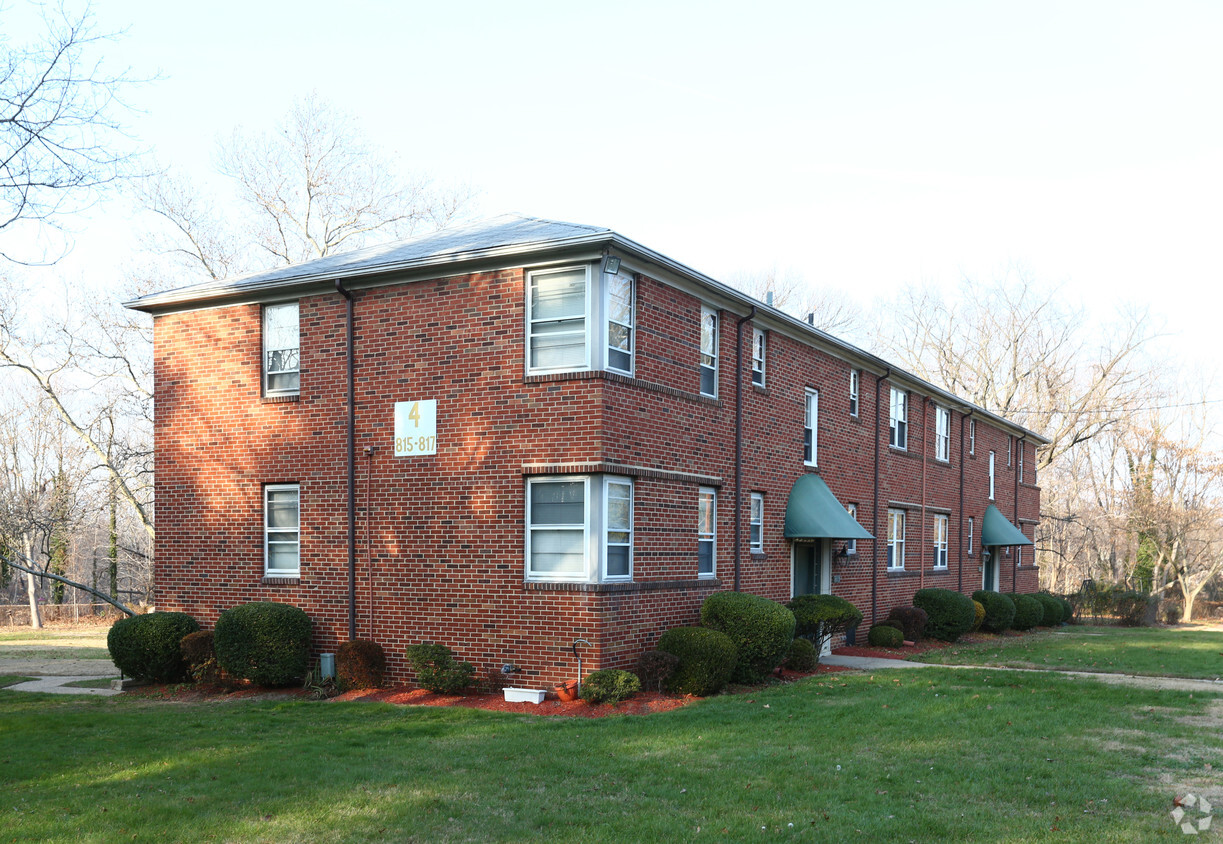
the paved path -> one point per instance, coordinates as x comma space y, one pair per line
56, 686
869, 663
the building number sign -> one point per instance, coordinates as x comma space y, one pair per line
415, 428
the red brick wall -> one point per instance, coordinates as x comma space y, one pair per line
440, 539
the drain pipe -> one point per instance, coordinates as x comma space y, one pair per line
739, 443
925, 426
352, 465
963, 423
875, 517
1015, 510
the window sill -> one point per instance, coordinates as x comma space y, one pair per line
617, 378
619, 586
280, 399
281, 580
901, 573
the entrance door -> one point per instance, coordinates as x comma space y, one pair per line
810, 571
989, 569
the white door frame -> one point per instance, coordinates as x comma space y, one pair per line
823, 551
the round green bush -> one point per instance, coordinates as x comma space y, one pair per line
951, 613
264, 642
760, 629
885, 636
149, 647
830, 613
610, 685
360, 664
891, 622
979, 609
1052, 609
999, 610
1028, 612
1067, 609
706, 660
654, 667
437, 671
802, 656
913, 621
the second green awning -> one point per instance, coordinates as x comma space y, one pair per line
997, 530
813, 512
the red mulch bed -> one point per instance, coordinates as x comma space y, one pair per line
643, 703
911, 649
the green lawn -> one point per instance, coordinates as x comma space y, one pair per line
1157, 652
79, 642
12, 680
937, 756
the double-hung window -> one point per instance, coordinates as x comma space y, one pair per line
851, 545
811, 428
1021, 450
991, 476
942, 434
707, 533
709, 352
854, 379
970, 532
579, 528
758, 357
281, 350
756, 523
620, 290
898, 419
940, 542
557, 305
896, 539
972, 436
1009, 441
282, 530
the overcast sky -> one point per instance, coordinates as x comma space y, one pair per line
866, 146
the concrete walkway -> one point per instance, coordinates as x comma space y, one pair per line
870, 663
56, 686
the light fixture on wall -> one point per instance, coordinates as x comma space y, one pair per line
611, 264
842, 555
985, 555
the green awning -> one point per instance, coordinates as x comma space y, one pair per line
813, 512
997, 530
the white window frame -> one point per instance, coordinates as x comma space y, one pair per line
898, 419
991, 476
941, 525
759, 350
579, 576
264, 365
755, 522
896, 544
608, 481
711, 354
972, 437
942, 434
970, 535
585, 365
851, 545
709, 494
268, 530
1021, 450
631, 325
1009, 442
854, 382
811, 427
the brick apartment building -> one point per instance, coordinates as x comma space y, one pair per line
553, 433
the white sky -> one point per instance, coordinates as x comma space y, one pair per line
865, 145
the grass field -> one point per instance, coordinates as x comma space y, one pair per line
72, 642
939, 755
1158, 652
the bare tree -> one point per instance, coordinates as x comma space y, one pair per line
60, 136
313, 187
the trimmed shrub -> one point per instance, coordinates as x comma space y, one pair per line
264, 642
999, 610
951, 613
201, 657
760, 629
912, 620
706, 660
655, 667
1131, 608
149, 647
979, 609
1028, 612
360, 664
1067, 609
822, 618
1052, 607
437, 671
611, 685
885, 636
802, 656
